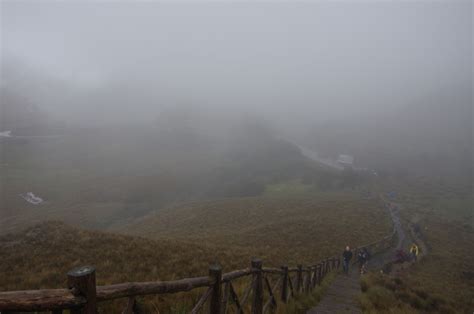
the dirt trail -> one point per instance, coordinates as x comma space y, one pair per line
341, 296
403, 241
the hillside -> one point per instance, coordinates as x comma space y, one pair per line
97, 178
285, 229
290, 232
443, 215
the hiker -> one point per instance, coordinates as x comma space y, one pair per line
346, 258
414, 252
362, 258
401, 256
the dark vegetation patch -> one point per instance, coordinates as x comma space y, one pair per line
444, 216
386, 294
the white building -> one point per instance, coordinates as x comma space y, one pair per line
345, 160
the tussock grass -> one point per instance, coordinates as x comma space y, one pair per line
386, 294
40, 257
303, 302
279, 230
444, 215
183, 242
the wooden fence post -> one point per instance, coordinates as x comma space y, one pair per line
307, 284
299, 278
257, 304
315, 276
319, 273
284, 284
215, 272
82, 281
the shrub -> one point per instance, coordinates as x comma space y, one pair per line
381, 297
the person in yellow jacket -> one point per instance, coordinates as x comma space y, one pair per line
414, 251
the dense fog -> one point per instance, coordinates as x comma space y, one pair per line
224, 156
387, 82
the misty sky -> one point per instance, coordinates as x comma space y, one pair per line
295, 61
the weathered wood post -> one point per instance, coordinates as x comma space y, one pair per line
215, 272
354, 256
314, 279
284, 283
299, 278
319, 273
257, 304
307, 284
81, 281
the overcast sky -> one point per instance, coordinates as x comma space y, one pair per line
285, 60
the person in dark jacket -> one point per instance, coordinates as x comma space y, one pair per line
401, 256
362, 258
346, 258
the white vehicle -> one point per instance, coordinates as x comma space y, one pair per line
6, 134
31, 198
346, 160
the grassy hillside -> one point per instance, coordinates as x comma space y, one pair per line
280, 229
443, 281
185, 239
96, 178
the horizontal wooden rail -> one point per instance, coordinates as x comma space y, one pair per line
129, 289
237, 274
39, 300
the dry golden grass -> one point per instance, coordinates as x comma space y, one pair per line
279, 231
447, 269
444, 214
385, 294
303, 302
40, 256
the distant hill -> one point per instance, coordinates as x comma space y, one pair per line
98, 177
430, 138
22, 116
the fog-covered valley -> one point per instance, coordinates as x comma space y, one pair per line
197, 132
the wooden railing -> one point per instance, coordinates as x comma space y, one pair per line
82, 295
268, 288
